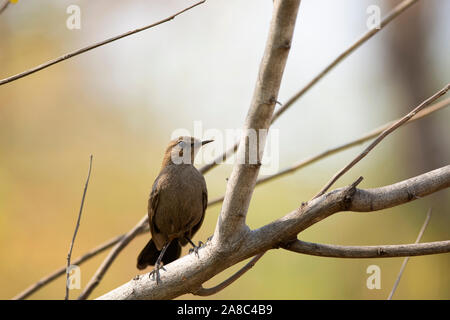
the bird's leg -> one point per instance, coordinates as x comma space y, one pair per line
155, 272
195, 248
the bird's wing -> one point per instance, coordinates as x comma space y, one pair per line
153, 206
205, 204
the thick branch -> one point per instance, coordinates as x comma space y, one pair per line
243, 177
286, 229
190, 272
401, 192
372, 134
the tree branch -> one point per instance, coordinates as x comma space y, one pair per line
61, 271
394, 13
243, 177
383, 135
98, 276
405, 261
93, 46
69, 255
372, 134
190, 272
362, 252
210, 291
4, 6
286, 229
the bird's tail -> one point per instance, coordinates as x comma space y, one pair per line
150, 254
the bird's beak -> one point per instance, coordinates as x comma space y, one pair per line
206, 141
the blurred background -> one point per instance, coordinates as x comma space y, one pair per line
121, 103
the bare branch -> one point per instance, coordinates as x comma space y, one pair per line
357, 200
370, 135
93, 46
363, 252
4, 6
69, 255
401, 192
98, 276
384, 134
405, 261
243, 177
190, 272
394, 13
210, 291
61, 271
425, 112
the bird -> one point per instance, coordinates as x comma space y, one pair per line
176, 206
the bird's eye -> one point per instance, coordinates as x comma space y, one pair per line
181, 143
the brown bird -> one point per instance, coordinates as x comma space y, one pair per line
177, 205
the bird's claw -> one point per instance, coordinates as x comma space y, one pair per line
195, 249
154, 274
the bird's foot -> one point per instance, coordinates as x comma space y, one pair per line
195, 249
154, 274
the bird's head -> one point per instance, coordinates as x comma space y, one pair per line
183, 150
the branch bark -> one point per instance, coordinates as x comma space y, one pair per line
243, 177
362, 252
301, 164
190, 272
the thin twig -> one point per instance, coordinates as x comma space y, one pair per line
405, 261
98, 276
210, 291
69, 255
4, 6
93, 46
61, 271
363, 252
394, 13
435, 107
383, 135
389, 17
